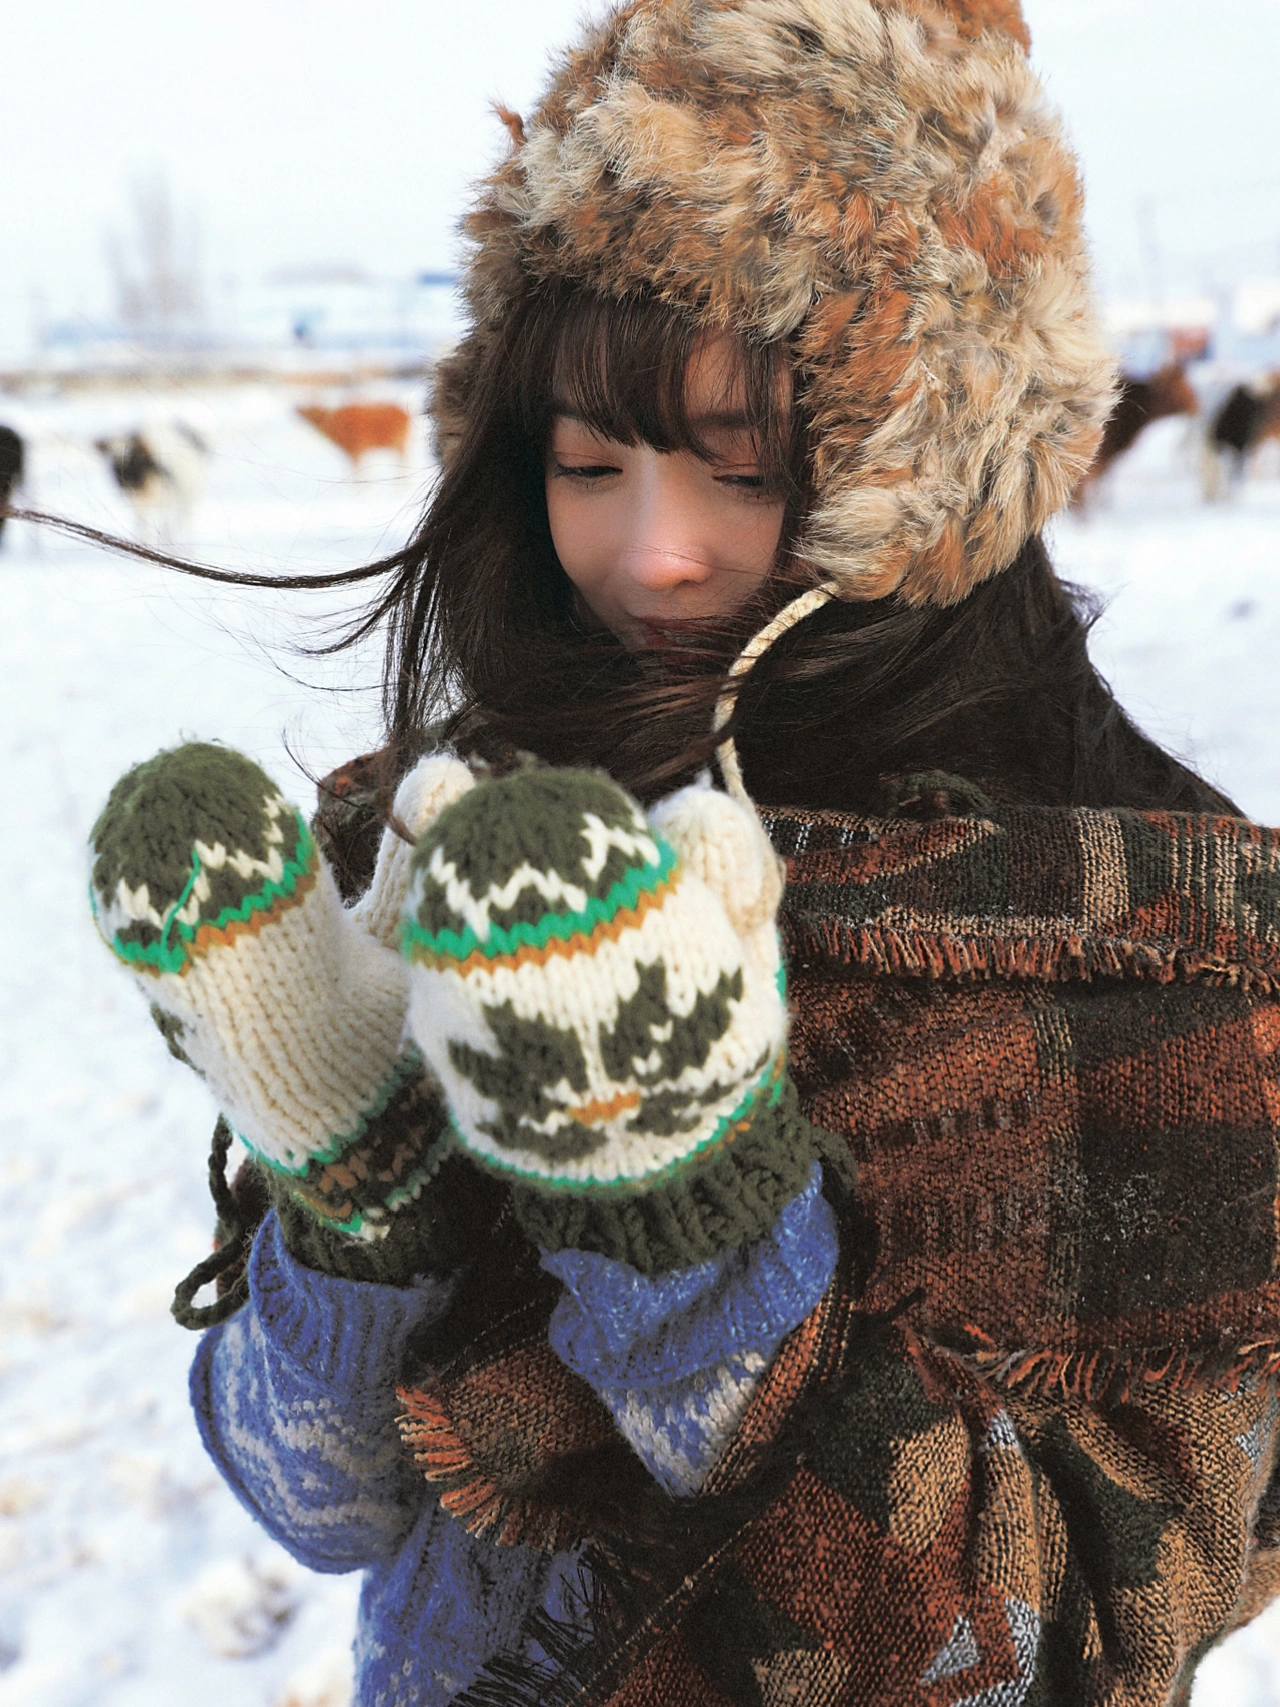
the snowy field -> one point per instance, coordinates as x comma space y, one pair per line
129, 1577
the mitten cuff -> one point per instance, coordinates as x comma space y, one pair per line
716, 1202
389, 1202
434, 1234
363, 1177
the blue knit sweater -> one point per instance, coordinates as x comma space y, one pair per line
295, 1401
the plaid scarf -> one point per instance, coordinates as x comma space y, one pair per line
1021, 1452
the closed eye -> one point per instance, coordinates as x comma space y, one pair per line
587, 473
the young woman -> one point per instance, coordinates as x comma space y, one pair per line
646, 1327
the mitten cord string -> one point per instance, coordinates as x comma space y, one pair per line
186, 1313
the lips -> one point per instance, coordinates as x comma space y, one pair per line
669, 631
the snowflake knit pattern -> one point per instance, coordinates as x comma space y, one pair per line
602, 998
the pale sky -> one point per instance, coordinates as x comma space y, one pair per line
306, 131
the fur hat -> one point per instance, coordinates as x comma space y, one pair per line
882, 184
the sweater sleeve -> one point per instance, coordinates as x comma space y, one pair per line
295, 1401
676, 1357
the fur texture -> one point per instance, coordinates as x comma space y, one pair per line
882, 184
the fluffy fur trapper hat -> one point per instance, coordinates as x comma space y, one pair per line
880, 183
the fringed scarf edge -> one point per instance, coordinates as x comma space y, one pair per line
889, 950
1105, 1376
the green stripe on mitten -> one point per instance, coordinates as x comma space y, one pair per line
601, 998
209, 888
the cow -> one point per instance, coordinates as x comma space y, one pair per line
357, 428
161, 470
1138, 403
1245, 419
12, 467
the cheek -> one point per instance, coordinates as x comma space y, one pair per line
763, 536
749, 538
590, 532
575, 535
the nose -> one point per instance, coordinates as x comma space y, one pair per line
663, 547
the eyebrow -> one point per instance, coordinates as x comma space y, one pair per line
729, 419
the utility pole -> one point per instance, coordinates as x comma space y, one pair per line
1149, 230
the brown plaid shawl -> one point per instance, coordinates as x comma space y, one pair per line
1022, 1452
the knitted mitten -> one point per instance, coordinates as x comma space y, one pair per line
208, 885
601, 998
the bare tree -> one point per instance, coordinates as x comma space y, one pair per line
159, 294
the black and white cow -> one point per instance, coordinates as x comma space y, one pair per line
1246, 418
162, 471
13, 459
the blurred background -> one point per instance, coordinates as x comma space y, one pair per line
213, 220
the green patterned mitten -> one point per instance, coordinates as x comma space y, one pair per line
208, 886
601, 998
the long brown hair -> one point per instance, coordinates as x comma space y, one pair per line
486, 647
482, 625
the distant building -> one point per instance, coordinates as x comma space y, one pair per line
341, 309
299, 316
1236, 328
1257, 308
335, 312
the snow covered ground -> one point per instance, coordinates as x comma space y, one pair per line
128, 1575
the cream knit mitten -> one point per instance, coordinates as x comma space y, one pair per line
209, 887
601, 997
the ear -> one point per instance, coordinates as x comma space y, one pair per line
722, 841
433, 784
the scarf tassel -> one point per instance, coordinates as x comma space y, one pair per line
466, 1492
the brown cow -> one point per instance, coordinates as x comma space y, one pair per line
356, 428
1138, 403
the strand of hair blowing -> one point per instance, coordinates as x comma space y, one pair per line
482, 631
484, 644
999, 689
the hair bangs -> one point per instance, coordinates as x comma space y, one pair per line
622, 366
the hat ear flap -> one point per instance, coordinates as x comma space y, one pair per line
722, 842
